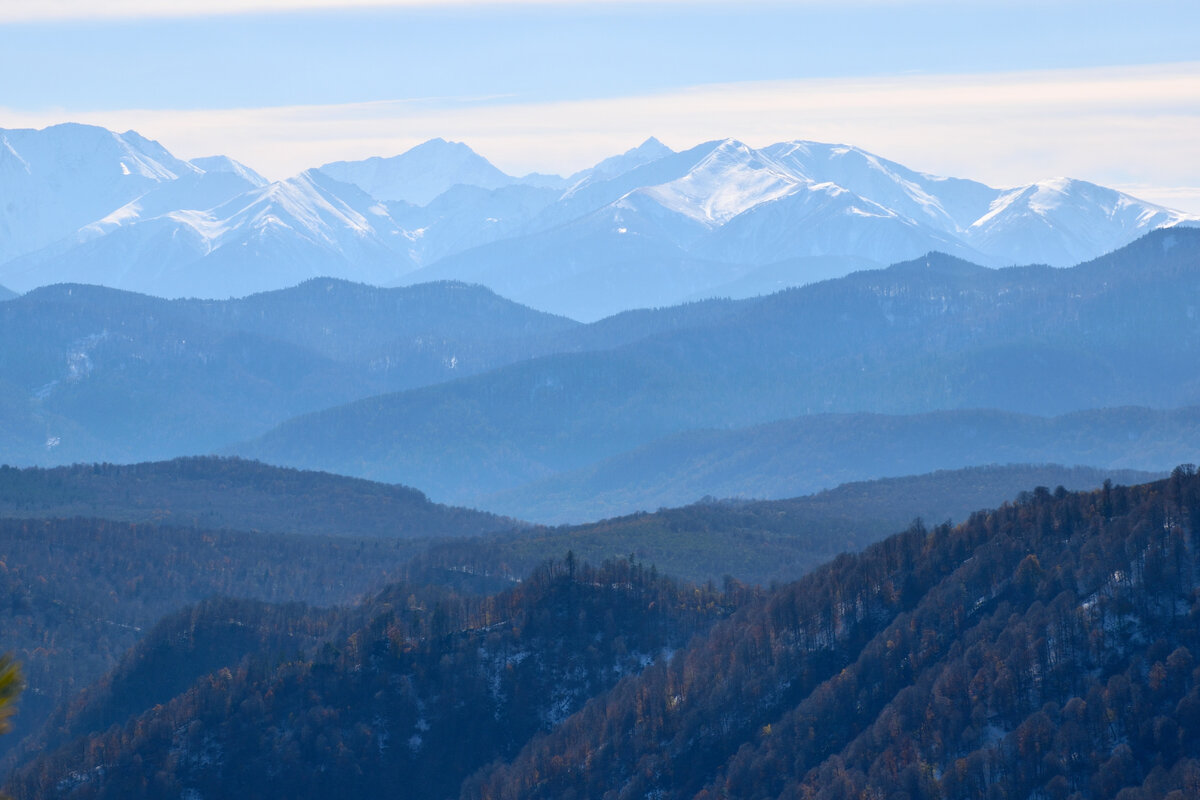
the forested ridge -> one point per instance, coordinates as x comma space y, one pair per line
232, 493
432, 686
1046, 648
76, 594
764, 541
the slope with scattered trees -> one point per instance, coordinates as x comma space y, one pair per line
1045, 649
432, 686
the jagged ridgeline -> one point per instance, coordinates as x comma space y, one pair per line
649, 227
1046, 648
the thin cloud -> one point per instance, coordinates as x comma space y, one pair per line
51, 10
1131, 126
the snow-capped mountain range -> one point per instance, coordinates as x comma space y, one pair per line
647, 227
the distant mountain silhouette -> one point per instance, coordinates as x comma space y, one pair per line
648, 227
932, 334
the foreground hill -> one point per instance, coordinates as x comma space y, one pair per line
228, 493
425, 689
80, 592
932, 334
1045, 648
83, 587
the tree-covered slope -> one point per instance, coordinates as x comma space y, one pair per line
762, 542
217, 493
1044, 649
430, 687
78, 593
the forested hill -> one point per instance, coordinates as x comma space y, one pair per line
762, 541
214, 493
82, 591
428, 688
1045, 649
6, 294
78, 593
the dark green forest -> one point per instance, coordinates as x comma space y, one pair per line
76, 594
219, 493
1044, 648
433, 686
764, 541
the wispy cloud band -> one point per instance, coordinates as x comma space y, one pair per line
50, 10
1128, 126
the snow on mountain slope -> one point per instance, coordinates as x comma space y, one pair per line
731, 179
464, 216
422, 173
647, 152
265, 238
649, 226
588, 196
195, 191
337, 222
223, 164
821, 220
949, 204
754, 207
786, 215
1062, 222
56, 180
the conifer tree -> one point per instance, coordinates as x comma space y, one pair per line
10, 687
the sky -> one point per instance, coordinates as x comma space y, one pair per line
1004, 92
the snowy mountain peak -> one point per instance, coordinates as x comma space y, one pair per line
58, 179
648, 151
651, 226
1063, 221
420, 174
727, 180
225, 164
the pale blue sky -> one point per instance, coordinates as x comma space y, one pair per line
553, 86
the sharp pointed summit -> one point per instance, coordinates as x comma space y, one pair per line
419, 175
